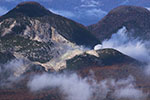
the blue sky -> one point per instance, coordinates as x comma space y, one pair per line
83, 11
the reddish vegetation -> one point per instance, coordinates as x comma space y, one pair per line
24, 94
117, 71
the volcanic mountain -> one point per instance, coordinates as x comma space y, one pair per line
32, 20
31, 31
105, 57
135, 19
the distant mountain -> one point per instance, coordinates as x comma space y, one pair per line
135, 19
32, 20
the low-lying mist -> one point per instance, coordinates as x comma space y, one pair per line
78, 88
72, 85
133, 47
130, 46
12, 71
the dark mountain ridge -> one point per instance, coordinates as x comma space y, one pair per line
28, 13
32, 31
135, 19
107, 57
30, 9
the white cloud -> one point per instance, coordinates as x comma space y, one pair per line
64, 13
72, 85
148, 8
3, 11
78, 88
135, 48
95, 12
128, 90
124, 2
90, 3
12, 71
129, 46
147, 69
98, 47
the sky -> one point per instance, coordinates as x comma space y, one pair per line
86, 12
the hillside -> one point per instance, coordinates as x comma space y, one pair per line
31, 31
135, 19
109, 64
32, 20
106, 57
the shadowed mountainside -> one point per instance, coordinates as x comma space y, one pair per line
30, 14
106, 57
135, 19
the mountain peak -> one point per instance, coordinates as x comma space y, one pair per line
135, 19
30, 9
29, 3
129, 9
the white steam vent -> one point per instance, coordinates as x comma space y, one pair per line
98, 46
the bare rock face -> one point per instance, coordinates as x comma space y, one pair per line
135, 19
35, 30
32, 32
31, 20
